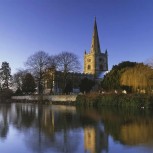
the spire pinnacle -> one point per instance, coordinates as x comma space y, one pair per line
95, 18
95, 46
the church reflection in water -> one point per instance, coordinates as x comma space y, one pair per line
67, 129
95, 140
59, 127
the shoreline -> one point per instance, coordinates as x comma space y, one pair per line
46, 99
89, 100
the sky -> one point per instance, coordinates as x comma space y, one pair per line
125, 29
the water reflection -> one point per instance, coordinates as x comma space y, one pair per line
4, 121
65, 129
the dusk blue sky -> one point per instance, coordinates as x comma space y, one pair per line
26, 26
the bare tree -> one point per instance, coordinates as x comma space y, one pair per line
67, 62
52, 62
37, 64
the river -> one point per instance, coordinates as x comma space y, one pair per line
33, 128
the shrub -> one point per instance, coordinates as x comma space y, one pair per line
5, 95
117, 100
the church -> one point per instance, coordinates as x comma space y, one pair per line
95, 64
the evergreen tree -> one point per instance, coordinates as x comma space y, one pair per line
18, 92
18, 78
86, 85
28, 85
5, 75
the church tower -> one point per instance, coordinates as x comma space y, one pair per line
95, 62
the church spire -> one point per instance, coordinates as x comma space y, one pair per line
95, 46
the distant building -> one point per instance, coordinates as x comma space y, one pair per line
95, 62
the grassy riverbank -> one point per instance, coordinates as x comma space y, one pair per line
117, 100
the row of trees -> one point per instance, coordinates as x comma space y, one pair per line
27, 80
7, 81
38, 63
130, 76
126, 75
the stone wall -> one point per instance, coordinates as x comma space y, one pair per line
52, 98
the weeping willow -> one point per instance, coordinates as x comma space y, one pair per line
138, 77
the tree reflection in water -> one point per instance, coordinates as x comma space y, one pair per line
4, 117
65, 129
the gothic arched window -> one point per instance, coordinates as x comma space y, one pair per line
89, 67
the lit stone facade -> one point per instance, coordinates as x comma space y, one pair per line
95, 62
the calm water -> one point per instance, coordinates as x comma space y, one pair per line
28, 128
